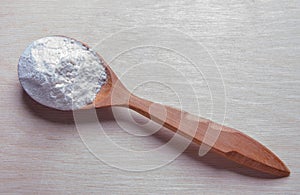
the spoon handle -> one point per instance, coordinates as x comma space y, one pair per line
226, 141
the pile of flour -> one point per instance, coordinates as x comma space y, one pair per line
61, 73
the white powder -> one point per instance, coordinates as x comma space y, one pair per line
61, 73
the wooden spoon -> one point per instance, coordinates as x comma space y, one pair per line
230, 143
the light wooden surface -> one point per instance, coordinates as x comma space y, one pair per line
255, 45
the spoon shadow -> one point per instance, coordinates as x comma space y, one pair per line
46, 113
211, 159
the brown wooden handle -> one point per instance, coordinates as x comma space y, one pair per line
181, 122
226, 141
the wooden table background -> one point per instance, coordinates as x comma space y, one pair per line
255, 45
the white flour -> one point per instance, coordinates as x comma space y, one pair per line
61, 73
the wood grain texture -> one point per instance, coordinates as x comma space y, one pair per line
254, 43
